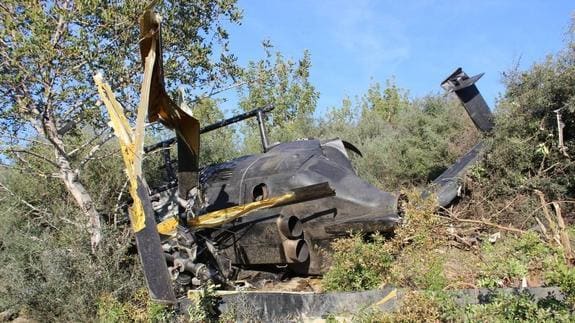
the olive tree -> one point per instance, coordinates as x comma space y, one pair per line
50, 50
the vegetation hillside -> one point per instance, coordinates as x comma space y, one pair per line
71, 257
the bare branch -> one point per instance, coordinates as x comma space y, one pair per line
93, 152
215, 91
91, 141
28, 169
547, 214
483, 222
31, 153
23, 201
15, 138
560, 126
564, 236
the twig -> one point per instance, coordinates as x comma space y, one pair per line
564, 237
23, 201
15, 138
460, 239
90, 141
507, 206
543, 228
31, 153
483, 222
559, 201
547, 214
220, 90
560, 126
93, 151
27, 167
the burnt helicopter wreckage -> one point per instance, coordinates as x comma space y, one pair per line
273, 211
293, 236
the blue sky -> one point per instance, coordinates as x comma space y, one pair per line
354, 43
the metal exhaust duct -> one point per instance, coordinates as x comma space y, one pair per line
296, 250
290, 226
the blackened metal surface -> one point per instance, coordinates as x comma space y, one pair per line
448, 184
151, 253
255, 240
297, 306
187, 169
465, 89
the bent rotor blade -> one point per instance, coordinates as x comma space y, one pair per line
467, 92
151, 254
141, 213
162, 108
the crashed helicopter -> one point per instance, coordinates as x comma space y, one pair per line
271, 212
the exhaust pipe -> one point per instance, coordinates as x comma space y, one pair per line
290, 226
296, 250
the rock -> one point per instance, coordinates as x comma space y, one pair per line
22, 319
8, 315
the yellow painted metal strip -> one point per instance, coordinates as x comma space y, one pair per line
217, 218
118, 120
220, 217
387, 298
168, 226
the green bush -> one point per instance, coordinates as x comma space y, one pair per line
441, 307
49, 269
520, 307
563, 276
407, 145
511, 258
137, 308
357, 264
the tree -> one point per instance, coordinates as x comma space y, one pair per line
526, 152
218, 145
404, 142
285, 85
51, 49
386, 104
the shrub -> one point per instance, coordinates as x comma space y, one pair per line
563, 276
517, 307
357, 264
511, 258
49, 269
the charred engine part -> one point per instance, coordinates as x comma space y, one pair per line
199, 270
465, 89
193, 257
259, 239
296, 250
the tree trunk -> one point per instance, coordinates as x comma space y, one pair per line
83, 199
70, 178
